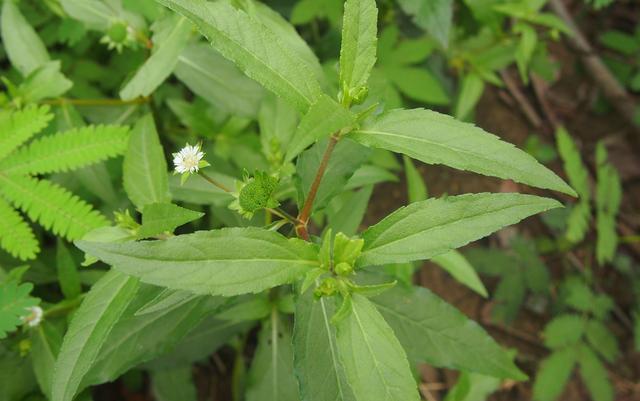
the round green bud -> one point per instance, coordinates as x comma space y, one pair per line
327, 288
343, 269
117, 32
358, 95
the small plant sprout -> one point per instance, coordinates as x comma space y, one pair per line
34, 317
189, 161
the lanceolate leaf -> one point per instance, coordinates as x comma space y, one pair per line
436, 138
94, 13
317, 363
221, 262
359, 38
553, 374
145, 168
91, 324
594, 375
21, 42
253, 47
68, 150
425, 229
46, 340
460, 268
374, 361
162, 62
432, 331
164, 217
434, 16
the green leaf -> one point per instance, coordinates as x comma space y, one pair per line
91, 324
44, 82
432, 331
347, 157
277, 120
160, 65
436, 138
434, 16
369, 175
526, 48
210, 76
426, 229
68, 276
14, 303
348, 217
418, 84
21, 42
271, 375
460, 268
325, 117
252, 47
16, 375
158, 218
471, 89
68, 150
17, 127
173, 384
145, 168
594, 375
94, 13
317, 364
553, 374
16, 237
416, 188
573, 165
46, 340
564, 330
199, 191
608, 199
375, 364
473, 387
52, 206
229, 261
358, 49
602, 340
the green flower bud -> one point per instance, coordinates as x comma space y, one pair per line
117, 32
327, 288
343, 269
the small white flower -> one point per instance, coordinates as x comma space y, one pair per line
34, 317
188, 159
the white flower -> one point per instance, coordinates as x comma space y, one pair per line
188, 159
34, 317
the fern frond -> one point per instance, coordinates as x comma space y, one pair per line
68, 150
52, 206
17, 126
16, 237
573, 165
578, 222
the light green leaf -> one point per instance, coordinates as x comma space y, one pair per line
460, 268
436, 138
163, 60
470, 91
369, 175
277, 120
434, 16
553, 374
416, 188
199, 191
145, 168
91, 324
325, 117
608, 199
173, 384
432, 331
44, 82
18, 126
526, 47
212, 77
229, 261
358, 49
271, 375
573, 165
353, 206
68, 276
563, 331
158, 218
418, 84
46, 340
16, 237
375, 364
602, 340
95, 14
254, 48
317, 365
426, 229
594, 375
21, 42
14, 303
473, 387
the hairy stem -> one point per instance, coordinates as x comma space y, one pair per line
305, 213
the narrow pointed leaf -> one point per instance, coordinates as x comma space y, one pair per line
436, 138
91, 324
221, 262
432, 331
21, 42
253, 47
359, 38
164, 217
459, 267
374, 361
429, 228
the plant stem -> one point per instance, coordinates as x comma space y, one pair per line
95, 102
64, 306
277, 211
305, 213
